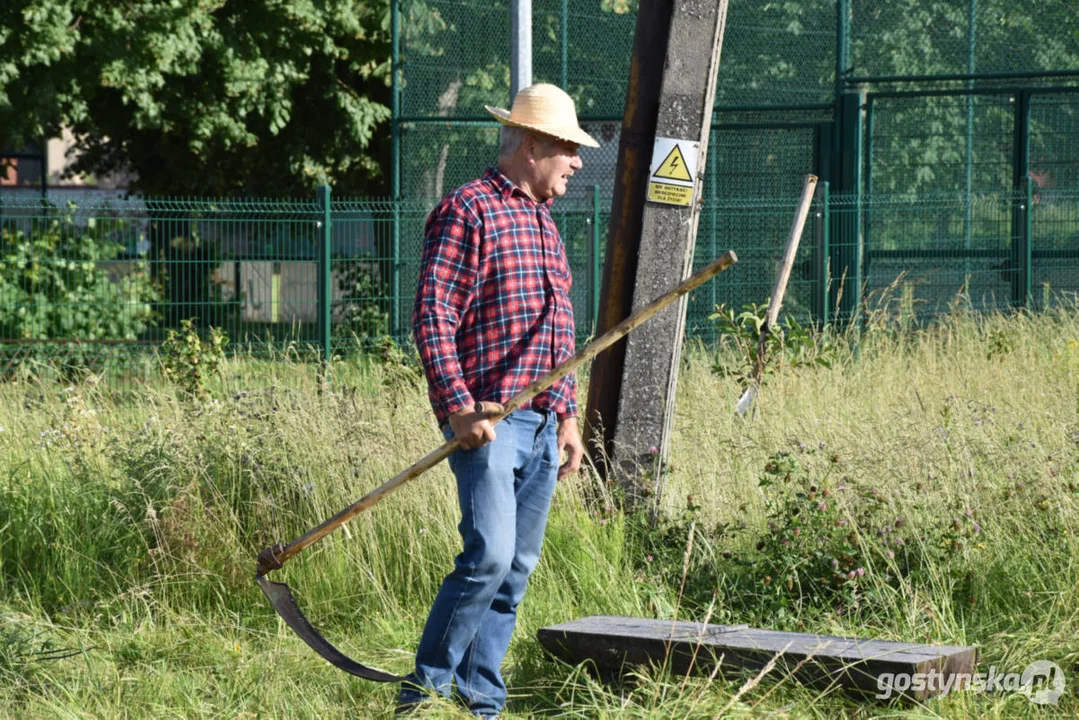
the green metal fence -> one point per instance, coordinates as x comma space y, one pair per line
784, 65
947, 100
945, 133
100, 284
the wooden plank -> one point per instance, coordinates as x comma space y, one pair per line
615, 644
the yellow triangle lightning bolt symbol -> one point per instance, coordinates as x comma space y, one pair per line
673, 167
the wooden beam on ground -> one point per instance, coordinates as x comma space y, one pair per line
616, 644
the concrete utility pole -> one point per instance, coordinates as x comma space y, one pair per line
520, 46
654, 217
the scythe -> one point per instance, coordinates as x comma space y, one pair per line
272, 558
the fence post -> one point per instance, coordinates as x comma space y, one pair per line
1026, 242
565, 43
395, 167
594, 259
1020, 253
848, 225
842, 55
821, 229
325, 249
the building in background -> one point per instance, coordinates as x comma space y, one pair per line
46, 171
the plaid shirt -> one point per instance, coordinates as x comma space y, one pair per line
493, 312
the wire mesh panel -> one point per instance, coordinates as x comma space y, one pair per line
923, 37
76, 289
96, 284
454, 55
778, 54
757, 230
585, 47
757, 162
247, 266
918, 252
367, 290
1054, 151
1055, 247
435, 159
411, 220
940, 143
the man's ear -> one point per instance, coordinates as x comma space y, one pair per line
528, 146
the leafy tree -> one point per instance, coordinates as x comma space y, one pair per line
204, 97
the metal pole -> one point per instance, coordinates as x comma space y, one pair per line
867, 183
325, 248
1021, 215
823, 262
842, 55
968, 170
597, 277
395, 165
520, 45
712, 178
565, 45
848, 255
1026, 264
44, 167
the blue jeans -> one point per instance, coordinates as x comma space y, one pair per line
504, 489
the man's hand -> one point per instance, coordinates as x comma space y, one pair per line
472, 428
569, 441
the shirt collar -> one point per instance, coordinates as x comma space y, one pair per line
507, 188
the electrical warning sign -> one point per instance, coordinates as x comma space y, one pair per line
674, 166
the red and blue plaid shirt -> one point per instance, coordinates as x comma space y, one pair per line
493, 312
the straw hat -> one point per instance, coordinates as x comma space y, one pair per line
545, 109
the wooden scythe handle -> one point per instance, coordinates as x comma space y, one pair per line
274, 557
785, 265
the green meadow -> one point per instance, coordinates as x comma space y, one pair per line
921, 485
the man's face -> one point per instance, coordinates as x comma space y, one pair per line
553, 162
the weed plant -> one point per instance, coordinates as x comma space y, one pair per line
923, 485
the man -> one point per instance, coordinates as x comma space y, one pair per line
492, 315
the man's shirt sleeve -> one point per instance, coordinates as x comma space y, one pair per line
448, 273
570, 410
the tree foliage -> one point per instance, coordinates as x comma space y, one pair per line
212, 97
257, 97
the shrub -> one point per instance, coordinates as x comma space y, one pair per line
187, 359
824, 543
787, 341
54, 286
360, 306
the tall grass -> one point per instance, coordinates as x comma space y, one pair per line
130, 520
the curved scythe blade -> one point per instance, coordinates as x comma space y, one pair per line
281, 598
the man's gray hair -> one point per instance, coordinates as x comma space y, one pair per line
509, 139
